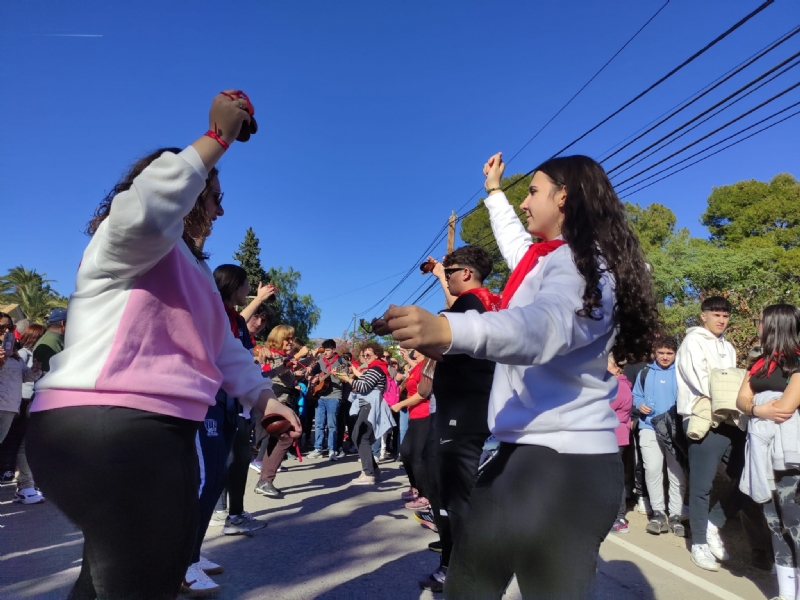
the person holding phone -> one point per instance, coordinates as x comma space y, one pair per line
582, 292
147, 348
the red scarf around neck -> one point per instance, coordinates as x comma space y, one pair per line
233, 317
381, 364
526, 265
490, 300
329, 364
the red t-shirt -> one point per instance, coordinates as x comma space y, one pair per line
421, 410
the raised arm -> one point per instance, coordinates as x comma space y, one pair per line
146, 221
512, 237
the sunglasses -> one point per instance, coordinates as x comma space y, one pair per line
218, 196
6, 327
450, 270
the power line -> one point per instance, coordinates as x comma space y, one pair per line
722, 141
694, 56
708, 110
714, 85
361, 288
717, 130
585, 85
794, 114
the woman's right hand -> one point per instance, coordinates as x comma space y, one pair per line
772, 412
227, 115
493, 171
275, 407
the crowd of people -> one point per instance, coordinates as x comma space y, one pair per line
528, 423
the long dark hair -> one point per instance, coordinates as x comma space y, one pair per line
229, 279
195, 224
779, 339
597, 230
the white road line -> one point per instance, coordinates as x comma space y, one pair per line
682, 573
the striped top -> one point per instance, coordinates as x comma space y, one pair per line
370, 379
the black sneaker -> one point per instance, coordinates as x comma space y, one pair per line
676, 526
266, 488
435, 546
658, 523
7, 477
425, 518
435, 581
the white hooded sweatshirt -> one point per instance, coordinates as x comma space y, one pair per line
700, 352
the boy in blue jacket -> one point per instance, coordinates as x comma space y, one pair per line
655, 392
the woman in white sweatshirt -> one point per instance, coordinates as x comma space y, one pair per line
113, 424
545, 502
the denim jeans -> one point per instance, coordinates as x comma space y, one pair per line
327, 409
403, 425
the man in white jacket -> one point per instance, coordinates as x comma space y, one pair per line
703, 349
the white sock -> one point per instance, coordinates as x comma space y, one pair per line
787, 582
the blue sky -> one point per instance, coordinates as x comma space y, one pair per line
375, 117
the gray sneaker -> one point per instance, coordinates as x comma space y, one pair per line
218, 518
658, 523
314, 454
676, 526
243, 524
267, 488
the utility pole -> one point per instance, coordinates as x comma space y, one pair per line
451, 233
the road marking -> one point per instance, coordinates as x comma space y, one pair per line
682, 573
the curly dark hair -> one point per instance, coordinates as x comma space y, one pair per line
601, 239
376, 348
195, 224
666, 342
471, 256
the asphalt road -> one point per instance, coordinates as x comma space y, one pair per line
328, 540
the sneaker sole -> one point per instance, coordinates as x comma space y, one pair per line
435, 549
714, 568
214, 570
266, 495
622, 531
200, 593
679, 530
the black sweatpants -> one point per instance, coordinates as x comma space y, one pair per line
539, 515
458, 457
411, 451
214, 441
128, 479
725, 442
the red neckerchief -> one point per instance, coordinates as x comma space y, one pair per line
381, 364
526, 265
280, 352
490, 300
331, 363
233, 317
760, 363
253, 340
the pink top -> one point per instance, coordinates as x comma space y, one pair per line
622, 406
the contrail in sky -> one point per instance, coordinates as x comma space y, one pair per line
85, 35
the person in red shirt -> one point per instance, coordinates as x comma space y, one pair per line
413, 445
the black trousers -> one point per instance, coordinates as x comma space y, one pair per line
458, 460
725, 442
539, 515
364, 438
128, 479
411, 452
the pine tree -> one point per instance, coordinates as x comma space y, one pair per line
249, 257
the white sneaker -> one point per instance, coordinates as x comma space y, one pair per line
702, 557
715, 544
209, 567
643, 506
218, 518
29, 496
197, 583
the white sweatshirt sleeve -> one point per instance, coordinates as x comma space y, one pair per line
146, 221
536, 333
693, 368
241, 377
512, 237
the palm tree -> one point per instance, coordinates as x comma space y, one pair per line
31, 291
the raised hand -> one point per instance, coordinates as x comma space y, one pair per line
493, 171
227, 115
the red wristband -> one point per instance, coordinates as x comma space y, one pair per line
214, 136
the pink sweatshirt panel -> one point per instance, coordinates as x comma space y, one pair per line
169, 336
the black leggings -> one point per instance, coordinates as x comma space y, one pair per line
411, 451
128, 479
539, 515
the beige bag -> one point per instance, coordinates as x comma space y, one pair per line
701, 420
724, 385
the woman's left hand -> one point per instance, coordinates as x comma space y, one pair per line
416, 328
396, 407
